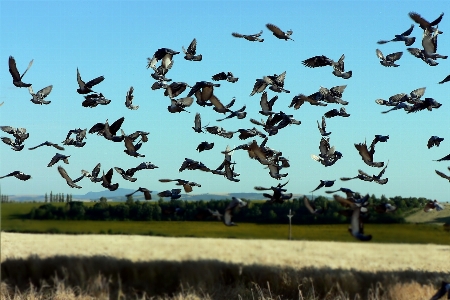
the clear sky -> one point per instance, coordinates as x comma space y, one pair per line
114, 39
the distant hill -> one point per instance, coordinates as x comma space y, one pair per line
433, 216
119, 195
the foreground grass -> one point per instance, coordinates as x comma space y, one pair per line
100, 277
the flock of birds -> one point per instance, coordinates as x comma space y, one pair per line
203, 93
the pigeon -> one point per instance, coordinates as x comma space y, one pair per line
231, 209
401, 105
106, 180
187, 185
249, 133
19, 175
250, 37
322, 60
39, 97
93, 176
385, 208
322, 127
367, 155
433, 205
278, 195
205, 90
191, 51
276, 31
389, 60
175, 89
225, 76
219, 107
163, 54
366, 177
259, 86
16, 144
147, 193
17, 78
334, 113
403, 37
93, 100
427, 103
357, 226
198, 123
434, 141
57, 157
177, 106
267, 105
129, 100
204, 146
131, 148
445, 289
240, 114
47, 143
324, 183
311, 207
328, 155
215, 214
69, 181
300, 99
86, 88
173, 194
125, 174
332, 95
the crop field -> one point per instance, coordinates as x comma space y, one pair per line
207, 260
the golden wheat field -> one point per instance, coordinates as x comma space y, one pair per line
148, 267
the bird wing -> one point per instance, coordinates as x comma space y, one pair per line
308, 205
364, 152
81, 83
129, 97
94, 81
380, 54
447, 157
344, 201
192, 47
114, 127
238, 35
322, 184
260, 188
13, 69
45, 91
219, 76
317, 61
394, 56
442, 175
216, 102
129, 144
275, 29
356, 226
408, 32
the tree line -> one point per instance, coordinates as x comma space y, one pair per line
255, 212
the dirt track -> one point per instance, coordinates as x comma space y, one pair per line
361, 256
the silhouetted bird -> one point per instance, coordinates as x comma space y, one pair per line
129, 100
47, 143
434, 141
19, 175
424, 24
147, 193
322, 127
443, 175
324, 183
69, 180
57, 157
403, 37
106, 180
17, 78
86, 88
446, 79
225, 76
204, 146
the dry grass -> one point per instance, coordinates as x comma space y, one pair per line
138, 267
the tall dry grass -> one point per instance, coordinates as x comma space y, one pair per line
66, 277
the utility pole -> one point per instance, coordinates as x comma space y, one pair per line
290, 215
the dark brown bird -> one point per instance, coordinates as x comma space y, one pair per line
276, 31
106, 180
367, 155
424, 24
434, 141
69, 180
147, 193
19, 175
17, 78
190, 53
446, 79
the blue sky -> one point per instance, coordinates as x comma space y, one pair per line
114, 39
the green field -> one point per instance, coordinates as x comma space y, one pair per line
12, 220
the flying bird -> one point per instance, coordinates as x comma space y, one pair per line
147, 193
267, 105
86, 88
322, 127
276, 31
106, 180
47, 143
163, 54
19, 175
204, 146
324, 183
173, 194
129, 100
127, 175
403, 37
69, 180
38, 98
334, 113
190, 53
93, 176
311, 207
356, 228
367, 155
187, 185
230, 210
424, 24
17, 78
389, 60
57, 157
249, 37
434, 141
132, 148
447, 157
240, 114
179, 105
225, 76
